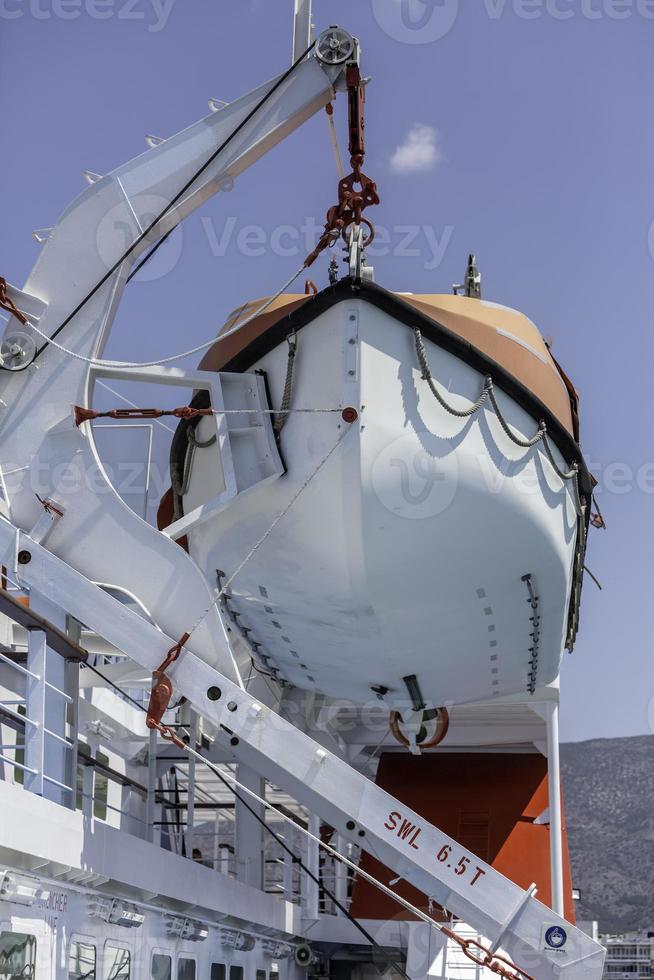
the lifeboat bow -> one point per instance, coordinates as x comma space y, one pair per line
437, 531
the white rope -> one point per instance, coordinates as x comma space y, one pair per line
174, 357
266, 411
267, 533
340, 169
275, 411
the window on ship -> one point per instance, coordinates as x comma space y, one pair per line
185, 968
117, 963
162, 967
17, 956
81, 961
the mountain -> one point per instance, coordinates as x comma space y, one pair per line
608, 787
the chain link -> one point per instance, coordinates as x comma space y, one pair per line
500, 965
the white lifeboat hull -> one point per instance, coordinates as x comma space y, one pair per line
408, 550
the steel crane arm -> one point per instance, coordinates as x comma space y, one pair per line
111, 216
74, 291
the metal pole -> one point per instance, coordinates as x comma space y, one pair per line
190, 796
88, 782
556, 821
248, 835
150, 815
301, 28
311, 893
35, 711
340, 882
71, 687
288, 868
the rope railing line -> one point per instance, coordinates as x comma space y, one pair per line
488, 393
187, 412
280, 419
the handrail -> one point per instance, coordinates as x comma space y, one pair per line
56, 638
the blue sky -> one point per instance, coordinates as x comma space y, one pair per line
520, 129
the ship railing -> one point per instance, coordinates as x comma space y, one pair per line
41, 744
35, 708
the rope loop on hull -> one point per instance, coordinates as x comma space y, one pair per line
488, 393
280, 418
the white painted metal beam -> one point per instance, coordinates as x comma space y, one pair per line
301, 28
260, 739
249, 845
38, 437
35, 711
556, 815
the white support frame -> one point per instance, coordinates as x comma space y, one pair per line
301, 28
211, 381
148, 458
179, 377
35, 711
100, 534
326, 784
556, 814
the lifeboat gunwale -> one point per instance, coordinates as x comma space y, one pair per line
304, 313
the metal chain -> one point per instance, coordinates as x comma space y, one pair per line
491, 961
488, 392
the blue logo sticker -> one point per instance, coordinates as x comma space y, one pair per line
556, 937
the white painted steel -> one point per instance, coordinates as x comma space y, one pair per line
301, 28
40, 448
555, 809
349, 547
327, 785
405, 554
35, 711
249, 833
80, 846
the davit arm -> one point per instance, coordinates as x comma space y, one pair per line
41, 451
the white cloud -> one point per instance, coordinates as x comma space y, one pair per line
419, 151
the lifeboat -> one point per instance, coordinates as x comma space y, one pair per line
423, 540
